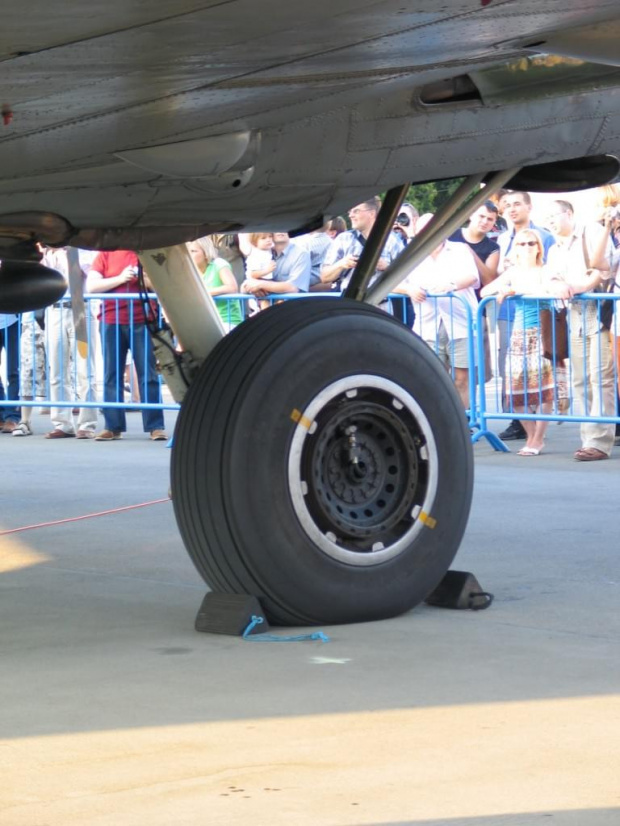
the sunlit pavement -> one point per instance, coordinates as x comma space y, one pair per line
115, 711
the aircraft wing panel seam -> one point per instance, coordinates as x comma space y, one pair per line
447, 136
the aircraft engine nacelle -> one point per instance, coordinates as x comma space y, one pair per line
27, 285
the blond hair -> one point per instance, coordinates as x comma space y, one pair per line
254, 237
208, 247
609, 196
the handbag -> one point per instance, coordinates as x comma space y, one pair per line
554, 334
607, 311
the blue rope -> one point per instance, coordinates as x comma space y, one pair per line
316, 635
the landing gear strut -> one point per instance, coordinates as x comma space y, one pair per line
322, 460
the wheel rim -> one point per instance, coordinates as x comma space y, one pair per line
362, 470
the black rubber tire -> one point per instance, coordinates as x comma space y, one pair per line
230, 461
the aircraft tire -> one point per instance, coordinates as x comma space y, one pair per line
277, 496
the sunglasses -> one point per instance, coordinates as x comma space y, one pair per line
527, 243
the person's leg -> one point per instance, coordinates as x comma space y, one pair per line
148, 379
2, 393
578, 377
616, 350
601, 393
515, 429
527, 425
530, 429
32, 370
12, 366
95, 352
59, 359
537, 439
85, 379
503, 333
3, 408
28, 357
461, 382
9, 340
41, 389
459, 358
114, 343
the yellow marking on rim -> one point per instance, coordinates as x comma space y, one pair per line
427, 520
298, 417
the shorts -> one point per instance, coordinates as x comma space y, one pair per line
453, 353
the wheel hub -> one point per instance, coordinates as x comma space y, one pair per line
362, 469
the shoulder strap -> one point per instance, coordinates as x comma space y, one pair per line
586, 254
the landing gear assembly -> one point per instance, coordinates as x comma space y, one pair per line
322, 462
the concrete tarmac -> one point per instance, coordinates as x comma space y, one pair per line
113, 710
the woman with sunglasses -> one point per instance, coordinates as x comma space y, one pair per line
530, 376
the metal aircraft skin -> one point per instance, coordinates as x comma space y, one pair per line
146, 124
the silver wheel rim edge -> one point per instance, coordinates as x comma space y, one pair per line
332, 549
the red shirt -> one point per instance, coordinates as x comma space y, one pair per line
109, 265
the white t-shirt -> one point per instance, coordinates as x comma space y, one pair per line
455, 259
258, 260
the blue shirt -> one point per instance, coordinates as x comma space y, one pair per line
527, 313
293, 265
316, 243
6, 319
352, 242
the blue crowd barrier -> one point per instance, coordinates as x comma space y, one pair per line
83, 378
591, 363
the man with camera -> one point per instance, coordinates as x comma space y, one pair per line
123, 328
344, 251
406, 221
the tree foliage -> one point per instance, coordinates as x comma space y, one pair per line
430, 197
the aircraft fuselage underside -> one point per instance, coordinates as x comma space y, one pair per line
285, 113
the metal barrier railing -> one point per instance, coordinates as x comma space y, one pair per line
53, 374
452, 335
582, 386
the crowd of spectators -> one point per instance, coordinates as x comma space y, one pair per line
504, 250
53, 366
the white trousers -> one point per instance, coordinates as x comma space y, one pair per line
594, 389
71, 377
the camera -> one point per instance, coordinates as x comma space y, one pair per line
402, 219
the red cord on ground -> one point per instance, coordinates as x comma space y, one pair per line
86, 516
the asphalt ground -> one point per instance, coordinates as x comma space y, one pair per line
113, 710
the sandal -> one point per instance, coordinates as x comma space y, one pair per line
590, 454
529, 451
22, 429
